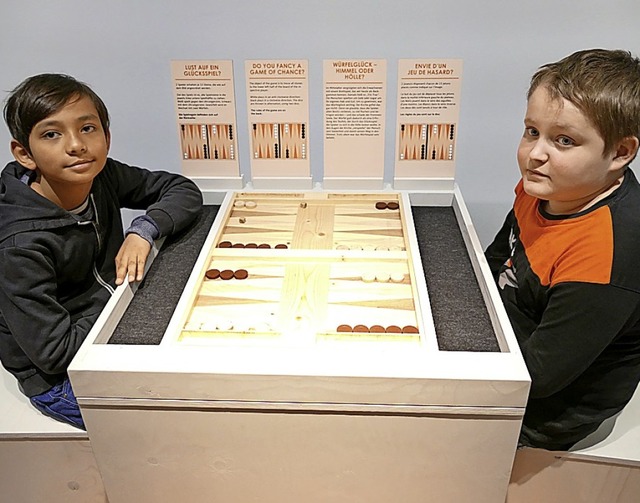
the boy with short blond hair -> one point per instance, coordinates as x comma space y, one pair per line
566, 257
62, 248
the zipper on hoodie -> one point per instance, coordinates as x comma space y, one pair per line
95, 225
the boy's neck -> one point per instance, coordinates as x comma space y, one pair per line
67, 198
557, 208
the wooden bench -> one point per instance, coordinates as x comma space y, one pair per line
42, 459
603, 468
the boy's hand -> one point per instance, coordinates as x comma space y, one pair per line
131, 258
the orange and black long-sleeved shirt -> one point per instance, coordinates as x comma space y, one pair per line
571, 288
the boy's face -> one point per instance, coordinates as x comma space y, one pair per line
561, 156
69, 147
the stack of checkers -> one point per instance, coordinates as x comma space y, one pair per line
245, 204
226, 274
391, 205
229, 244
378, 329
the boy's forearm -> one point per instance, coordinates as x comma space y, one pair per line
499, 250
580, 321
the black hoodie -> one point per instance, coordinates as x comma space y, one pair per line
57, 271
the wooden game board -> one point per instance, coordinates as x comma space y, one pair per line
307, 266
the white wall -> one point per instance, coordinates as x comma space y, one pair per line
123, 49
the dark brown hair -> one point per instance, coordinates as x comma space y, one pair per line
40, 96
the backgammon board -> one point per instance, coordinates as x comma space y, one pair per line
303, 267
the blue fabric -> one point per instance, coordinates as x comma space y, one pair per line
145, 227
60, 403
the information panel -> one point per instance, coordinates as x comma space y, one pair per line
206, 117
278, 118
427, 123
354, 122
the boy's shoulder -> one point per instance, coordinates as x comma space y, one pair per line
624, 201
13, 170
625, 215
599, 245
21, 208
623, 206
117, 173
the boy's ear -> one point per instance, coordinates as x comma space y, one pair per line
22, 155
626, 150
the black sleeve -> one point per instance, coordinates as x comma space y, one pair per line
580, 321
171, 200
499, 250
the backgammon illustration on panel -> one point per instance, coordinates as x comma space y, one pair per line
427, 142
207, 141
279, 141
305, 267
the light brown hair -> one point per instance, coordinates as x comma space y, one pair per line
603, 84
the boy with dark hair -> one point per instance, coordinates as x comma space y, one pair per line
62, 247
566, 259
